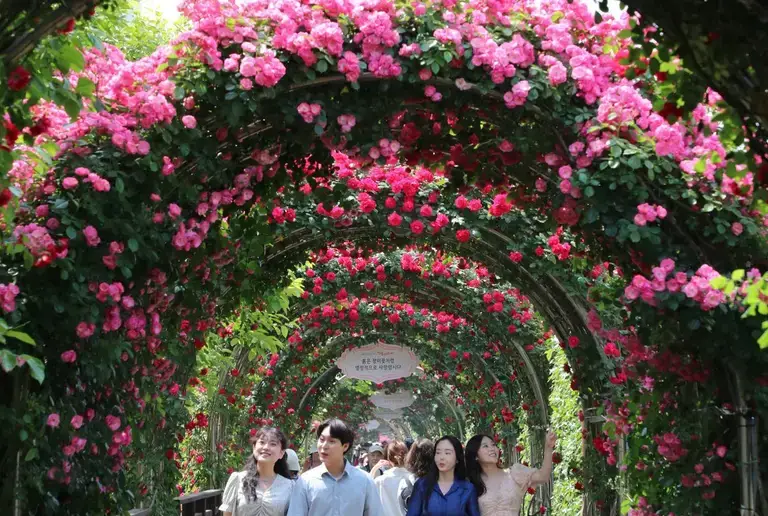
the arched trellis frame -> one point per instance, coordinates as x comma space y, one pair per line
131, 218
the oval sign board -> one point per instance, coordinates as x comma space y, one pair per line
378, 363
372, 425
389, 414
397, 400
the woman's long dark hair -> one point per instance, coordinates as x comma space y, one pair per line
459, 472
474, 471
251, 479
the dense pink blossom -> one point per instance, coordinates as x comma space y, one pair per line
8, 295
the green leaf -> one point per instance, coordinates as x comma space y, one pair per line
589, 191
178, 93
70, 58
71, 233
634, 236
72, 107
133, 245
322, 66
7, 360
737, 275
719, 282
36, 366
85, 87
626, 33
23, 337
763, 340
31, 455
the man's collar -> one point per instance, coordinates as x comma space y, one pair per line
347, 467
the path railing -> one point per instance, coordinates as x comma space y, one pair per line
204, 503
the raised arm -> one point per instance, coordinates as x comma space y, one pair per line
543, 474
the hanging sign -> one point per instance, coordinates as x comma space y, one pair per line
372, 425
378, 362
397, 400
389, 414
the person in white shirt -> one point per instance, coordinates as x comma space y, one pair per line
388, 482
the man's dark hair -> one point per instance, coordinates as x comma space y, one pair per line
338, 430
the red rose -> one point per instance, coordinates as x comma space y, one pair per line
463, 235
394, 219
5, 197
18, 79
11, 133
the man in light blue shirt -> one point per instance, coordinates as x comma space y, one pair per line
335, 487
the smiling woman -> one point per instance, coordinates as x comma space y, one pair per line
264, 486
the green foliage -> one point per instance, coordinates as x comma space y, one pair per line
134, 29
748, 294
564, 405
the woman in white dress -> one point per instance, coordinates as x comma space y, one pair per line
264, 486
501, 491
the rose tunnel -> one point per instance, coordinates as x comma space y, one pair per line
480, 181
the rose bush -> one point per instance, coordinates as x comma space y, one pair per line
511, 137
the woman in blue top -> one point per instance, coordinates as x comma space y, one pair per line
445, 490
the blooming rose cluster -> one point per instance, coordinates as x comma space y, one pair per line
697, 287
649, 213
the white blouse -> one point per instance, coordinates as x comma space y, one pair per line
270, 502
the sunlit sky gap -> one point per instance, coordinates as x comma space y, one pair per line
168, 8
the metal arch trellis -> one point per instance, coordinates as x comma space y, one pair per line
565, 316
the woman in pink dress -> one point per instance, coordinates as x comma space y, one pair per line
501, 491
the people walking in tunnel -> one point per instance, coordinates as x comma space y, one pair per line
501, 491
375, 455
293, 463
444, 491
264, 486
418, 463
313, 460
387, 477
335, 487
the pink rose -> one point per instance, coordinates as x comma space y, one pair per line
53, 420
76, 421
69, 183
91, 236
69, 357
174, 210
189, 121
737, 228
113, 422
